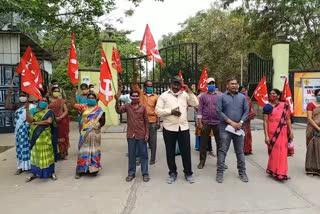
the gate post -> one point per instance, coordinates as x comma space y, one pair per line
112, 118
280, 55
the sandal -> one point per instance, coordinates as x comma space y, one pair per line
78, 176
129, 178
30, 178
54, 177
18, 172
146, 178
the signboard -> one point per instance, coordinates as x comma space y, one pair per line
304, 85
308, 88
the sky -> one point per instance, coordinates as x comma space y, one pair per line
162, 17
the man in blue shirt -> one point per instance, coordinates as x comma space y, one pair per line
233, 110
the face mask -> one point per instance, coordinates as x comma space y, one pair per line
22, 99
318, 99
32, 105
272, 98
244, 93
55, 85
149, 90
135, 100
91, 102
211, 87
56, 94
85, 91
91, 89
43, 104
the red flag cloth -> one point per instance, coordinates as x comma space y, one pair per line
33, 65
73, 63
105, 91
261, 92
116, 63
182, 82
149, 47
203, 85
28, 84
286, 95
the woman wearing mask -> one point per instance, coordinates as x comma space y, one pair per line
277, 124
92, 119
313, 136
247, 149
42, 141
21, 131
60, 110
80, 99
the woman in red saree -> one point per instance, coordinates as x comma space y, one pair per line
60, 109
247, 148
277, 124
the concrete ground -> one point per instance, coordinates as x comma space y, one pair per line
109, 193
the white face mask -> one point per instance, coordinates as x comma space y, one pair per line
91, 89
23, 99
55, 85
32, 105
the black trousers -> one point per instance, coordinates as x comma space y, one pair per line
170, 139
204, 140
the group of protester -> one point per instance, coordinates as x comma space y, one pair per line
42, 129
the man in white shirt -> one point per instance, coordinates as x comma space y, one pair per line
172, 107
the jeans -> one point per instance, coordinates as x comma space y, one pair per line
204, 140
170, 139
140, 146
153, 140
238, 142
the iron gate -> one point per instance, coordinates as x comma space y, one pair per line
176, 57
257, 68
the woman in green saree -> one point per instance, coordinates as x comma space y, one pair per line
43, 141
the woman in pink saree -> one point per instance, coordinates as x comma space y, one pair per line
277, 128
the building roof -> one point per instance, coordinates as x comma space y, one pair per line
25, 41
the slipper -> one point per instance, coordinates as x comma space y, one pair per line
30, 178
54, 177
146, 178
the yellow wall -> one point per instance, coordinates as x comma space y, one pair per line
112, 118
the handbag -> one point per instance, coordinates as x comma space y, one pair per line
290, 148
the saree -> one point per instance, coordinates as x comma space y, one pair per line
278, 148
90, 140
312, 163
43, 144
22, 139
247, 148
63, 126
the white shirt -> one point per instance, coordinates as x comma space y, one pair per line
168, 101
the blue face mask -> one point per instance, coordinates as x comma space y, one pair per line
244, 93
318, 99
43, 104
149, 90
211, 87
91, 102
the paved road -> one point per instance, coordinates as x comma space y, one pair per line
109, 193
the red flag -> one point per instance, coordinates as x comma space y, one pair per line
105, 91
261, 92
73, 63
33, 65
182, 82
149, 47
286, 95
202, 85
116, 63
28, 84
